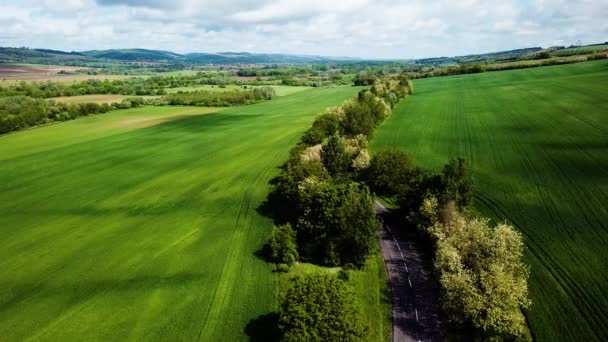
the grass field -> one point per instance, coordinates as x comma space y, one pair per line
106, 98
538, 142
142, 224
280, 90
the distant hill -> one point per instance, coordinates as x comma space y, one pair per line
207, 58
100, 57
139, 55
42, 56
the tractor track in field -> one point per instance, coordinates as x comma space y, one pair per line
414, 293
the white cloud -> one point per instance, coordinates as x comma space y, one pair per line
366, 28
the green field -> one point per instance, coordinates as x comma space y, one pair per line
538, 142
142, 224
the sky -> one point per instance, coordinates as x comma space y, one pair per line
354, 28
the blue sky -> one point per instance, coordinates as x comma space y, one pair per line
358, 28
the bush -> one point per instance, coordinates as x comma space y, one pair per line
320, 308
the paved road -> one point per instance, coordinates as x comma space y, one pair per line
414, 294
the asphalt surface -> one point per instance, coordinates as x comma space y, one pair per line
413, 291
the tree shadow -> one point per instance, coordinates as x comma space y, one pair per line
264, 328
264, 253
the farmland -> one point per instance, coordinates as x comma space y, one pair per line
538, 143
142, 224
14, 73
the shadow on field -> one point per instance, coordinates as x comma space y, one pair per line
264, 328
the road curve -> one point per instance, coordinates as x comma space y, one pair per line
414, 294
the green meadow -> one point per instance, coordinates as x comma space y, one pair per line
142, 225
538, 143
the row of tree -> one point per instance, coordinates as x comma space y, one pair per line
155, 85
473, 68
327, 214
483, 279
20, 112
220, 98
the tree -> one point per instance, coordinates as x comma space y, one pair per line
337, 224
357, 119
457, 182
391, 172
283, 245
320, 308
334, 156
286, 196
484, 281
324, 126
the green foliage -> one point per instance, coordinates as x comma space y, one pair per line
287, 191
20, 112
219, 98
358, 119
457, 182
483, 278
391, 172
324, 126
320, 308
283, 245
337, 224
334, 156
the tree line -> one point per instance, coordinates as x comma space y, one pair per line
20, 112
483, 280
220, 98
472, 68
325, 214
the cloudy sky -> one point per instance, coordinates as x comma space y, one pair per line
358, 28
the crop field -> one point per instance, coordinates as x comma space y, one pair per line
538, 143
14, 73
141, 224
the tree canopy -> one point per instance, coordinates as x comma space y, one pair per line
320, 308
